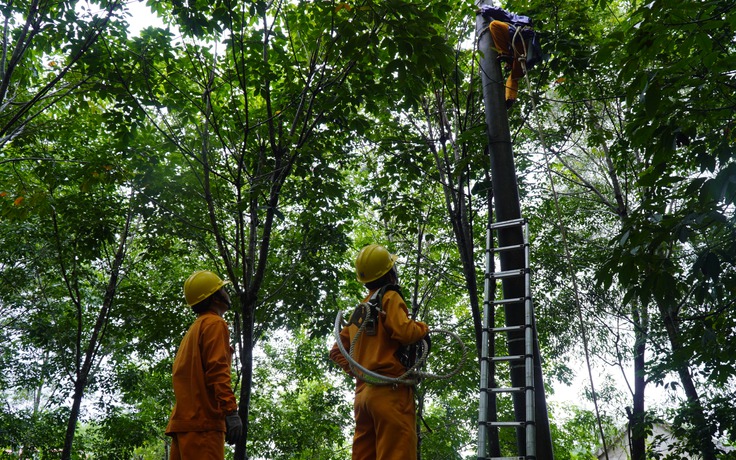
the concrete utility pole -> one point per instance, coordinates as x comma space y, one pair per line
507, 207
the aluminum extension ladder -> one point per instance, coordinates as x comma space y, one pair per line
490, 331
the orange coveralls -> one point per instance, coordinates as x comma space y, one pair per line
204, 395
385, 416
501, 36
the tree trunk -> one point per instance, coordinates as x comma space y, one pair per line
82, 376
71, 427
457, 211
637, 419
247, 377
259, 239
703, 430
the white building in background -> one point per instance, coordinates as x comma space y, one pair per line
661, 441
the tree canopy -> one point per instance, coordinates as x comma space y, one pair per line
270, 141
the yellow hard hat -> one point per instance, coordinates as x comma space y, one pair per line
373, 262
200, 285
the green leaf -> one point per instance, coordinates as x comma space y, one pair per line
712, 266
652, 97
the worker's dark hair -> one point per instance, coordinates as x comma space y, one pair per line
205, 305
387, 278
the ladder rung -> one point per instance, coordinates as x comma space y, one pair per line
507, 390
508, 273
509, 328
507, 301
508, 248
499, 359
503, 424
503, 458
508, 223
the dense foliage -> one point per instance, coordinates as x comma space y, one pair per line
269, 141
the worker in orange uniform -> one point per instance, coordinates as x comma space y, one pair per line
385, 417
205, 414
502, 35
516, 41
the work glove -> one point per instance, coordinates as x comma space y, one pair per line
234, 427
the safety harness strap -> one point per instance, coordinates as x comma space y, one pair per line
368, 312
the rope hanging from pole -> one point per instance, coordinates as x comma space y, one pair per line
413, 375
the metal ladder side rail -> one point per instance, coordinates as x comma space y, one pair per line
531, 427
486, 365
488, 335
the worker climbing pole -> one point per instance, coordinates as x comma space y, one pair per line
519, 327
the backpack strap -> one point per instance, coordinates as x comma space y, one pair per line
381, 291
369, 312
